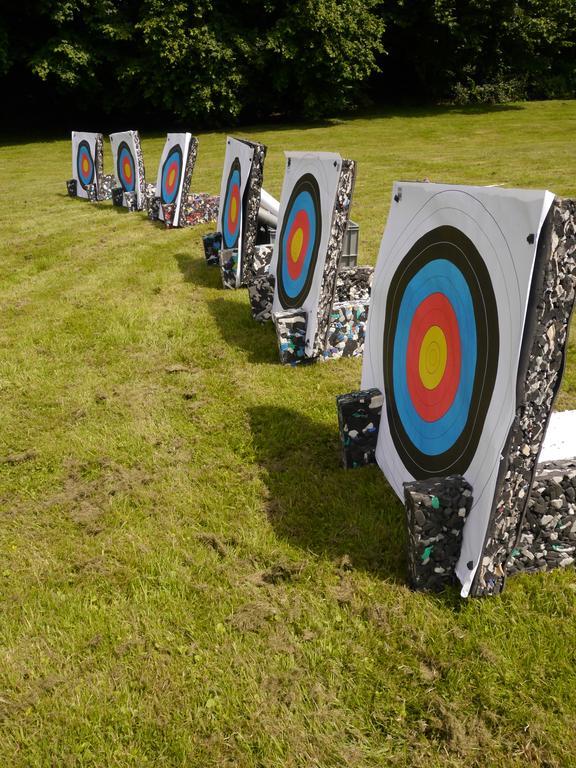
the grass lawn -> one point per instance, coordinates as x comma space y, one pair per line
187, 577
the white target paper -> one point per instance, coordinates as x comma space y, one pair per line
235, 175
128, 164
303, 233
171, 172
445, 328
84, 161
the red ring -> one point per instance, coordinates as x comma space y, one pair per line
432, 404
170, 187
300, 222
127, 169
234, 195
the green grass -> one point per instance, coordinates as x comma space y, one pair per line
146, 516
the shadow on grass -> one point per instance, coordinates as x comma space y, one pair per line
320, 507
285, 124
470, 110
198, 272
51, 135
240, 330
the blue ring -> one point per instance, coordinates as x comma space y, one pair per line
169, 198
231, 238
85, 180
124, 152
438, 276
304, 202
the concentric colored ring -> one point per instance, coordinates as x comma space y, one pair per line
126, 167
171, 175
441, 345
85, 164
299, 242
232, 206
433, 357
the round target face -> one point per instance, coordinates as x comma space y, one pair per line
126, 167
441, 348
299, 242
171, 174
232, 210
85, 164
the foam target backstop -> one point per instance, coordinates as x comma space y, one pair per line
314, 210
236, 176
128, 164
448, 321
87, 163
175, 173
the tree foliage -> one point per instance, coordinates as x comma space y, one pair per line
483, 50
209, 60
216, 61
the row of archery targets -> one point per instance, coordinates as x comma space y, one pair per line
168, 199
463, 326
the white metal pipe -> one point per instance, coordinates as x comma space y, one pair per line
267, 218
269, 203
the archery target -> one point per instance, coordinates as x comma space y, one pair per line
299, 242
444, 336
85, 147
171, 171
171, 175
85, 164
231, 213
126, 168
128, 163
440, 353
304, 222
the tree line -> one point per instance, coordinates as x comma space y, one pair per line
217, 62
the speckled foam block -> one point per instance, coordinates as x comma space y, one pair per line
251, 205
340, 216
548, 535
188, 171
212, 245
436, 512
359, 421
291, 333
261, 284
228, 267
347, 330
542, 363
353, 284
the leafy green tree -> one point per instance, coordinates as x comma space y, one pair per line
481, 50
210, 60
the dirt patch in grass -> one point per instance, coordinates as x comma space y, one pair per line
252, 617
89, 488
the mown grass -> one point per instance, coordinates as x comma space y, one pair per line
187, 577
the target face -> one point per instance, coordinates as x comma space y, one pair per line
85, 164
232, 215
299, 242
447, 323
440, 353
126, 167
171, 175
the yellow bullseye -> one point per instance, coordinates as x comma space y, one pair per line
433, 357
233, 209
296, 244
85, 165
171, 177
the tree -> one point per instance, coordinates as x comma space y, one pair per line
207, 61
